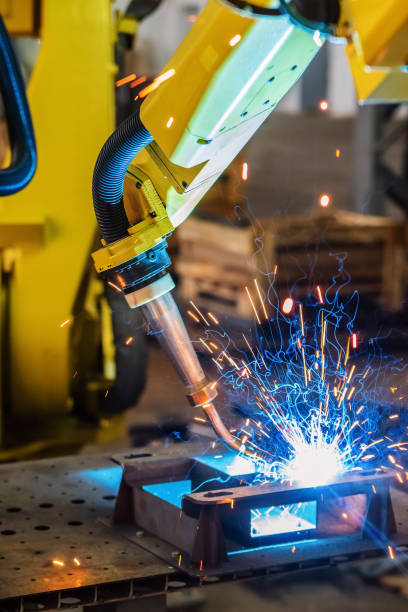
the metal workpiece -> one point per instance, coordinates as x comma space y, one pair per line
217, 511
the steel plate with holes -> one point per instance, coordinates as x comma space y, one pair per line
54, 510
60, 510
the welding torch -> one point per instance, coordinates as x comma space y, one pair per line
134, 260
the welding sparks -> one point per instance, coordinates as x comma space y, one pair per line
193, 316
324, 200
115, 287
308, 407
57, 563
157, 82
244, 171
126, 79
213, 318
200, 419
139, 81
65, 323
262, 301
170, 122
287, 305
199, 313
253, 306
337, 153
77, 562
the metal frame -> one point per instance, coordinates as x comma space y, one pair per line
210, 528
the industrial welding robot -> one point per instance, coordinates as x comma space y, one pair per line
234, 66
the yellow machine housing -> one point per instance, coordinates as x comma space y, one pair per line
377, 49
47, 229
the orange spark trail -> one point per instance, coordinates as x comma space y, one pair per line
138, 81
126, 79
253, 305
157, 82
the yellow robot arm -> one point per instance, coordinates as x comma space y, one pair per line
229, 73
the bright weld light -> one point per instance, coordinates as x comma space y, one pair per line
314, 465
170, 122
234, 40
323, 105
287, 305
290, 518
324, 200
244, 171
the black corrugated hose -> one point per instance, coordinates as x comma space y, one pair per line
110, 169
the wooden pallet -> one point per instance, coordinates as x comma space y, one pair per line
308, 252
216, 261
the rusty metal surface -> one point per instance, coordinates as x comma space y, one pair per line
56, 509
